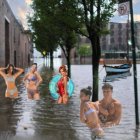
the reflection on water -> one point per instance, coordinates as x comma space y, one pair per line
116, 77
46, 120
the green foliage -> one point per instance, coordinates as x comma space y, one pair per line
56, 22
52, 24
41, 22
85, 50
61, 19
94, 16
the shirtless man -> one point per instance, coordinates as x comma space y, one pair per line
109, 109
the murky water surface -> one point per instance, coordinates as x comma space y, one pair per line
46, 120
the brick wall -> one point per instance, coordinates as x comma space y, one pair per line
15, 42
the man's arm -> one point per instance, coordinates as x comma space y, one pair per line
118, 113
116, 117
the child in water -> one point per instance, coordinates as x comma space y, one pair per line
89, 112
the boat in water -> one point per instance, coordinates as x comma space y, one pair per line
111, 70
116, 77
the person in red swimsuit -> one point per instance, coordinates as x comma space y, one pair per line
62, 86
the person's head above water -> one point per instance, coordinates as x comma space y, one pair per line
10, 69
107, 86
63, 70
34, 67
85, 93
107, 90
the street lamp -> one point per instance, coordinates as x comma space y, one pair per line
129, 43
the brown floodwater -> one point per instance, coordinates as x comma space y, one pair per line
25, 119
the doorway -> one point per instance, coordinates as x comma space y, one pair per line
15, 59
7, 45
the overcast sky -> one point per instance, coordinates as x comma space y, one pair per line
22, 7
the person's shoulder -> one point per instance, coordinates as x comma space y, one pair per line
27, 74
117, 103
100, 101
87, 104
37, 73
65, 78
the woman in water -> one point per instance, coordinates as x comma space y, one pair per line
62, 85
89, 112
32, 80
10, 76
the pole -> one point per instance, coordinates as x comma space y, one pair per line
128, 39
134, 64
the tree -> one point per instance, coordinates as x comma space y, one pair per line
66, 20
44, 35
56, 17
85, 17
84, 50
95, 16
67, 42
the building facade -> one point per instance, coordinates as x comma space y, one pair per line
117, 39
137, 34
119, 36
15, 43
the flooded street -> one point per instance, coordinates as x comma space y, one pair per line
25, 119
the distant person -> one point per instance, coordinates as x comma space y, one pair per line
89, 112
110, 109
32, 81
62, 85
10, 76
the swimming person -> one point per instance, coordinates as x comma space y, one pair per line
110, 109
32, 80
89, 112
62, 85
10, 76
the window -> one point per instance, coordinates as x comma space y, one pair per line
112, 40
112, 33
19, 39
112, 26
119, 39
119, 32
14, 35
119, 25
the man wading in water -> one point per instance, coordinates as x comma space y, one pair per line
110, 109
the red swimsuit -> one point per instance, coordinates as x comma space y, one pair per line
60, 86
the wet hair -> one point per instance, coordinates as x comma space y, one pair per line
7, 70
87, 91
107, 86
63, 67
35, 65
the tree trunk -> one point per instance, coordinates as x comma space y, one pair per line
51, 60
95, 66
67, 56
96, 54
68, 62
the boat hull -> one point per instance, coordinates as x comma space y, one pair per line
110, 70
